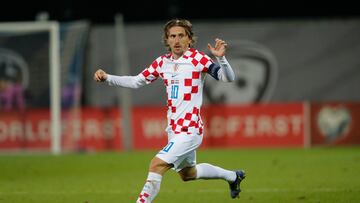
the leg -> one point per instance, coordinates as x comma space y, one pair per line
159, 166
179, 148
151, 188
188, 170
208, 171
188, 173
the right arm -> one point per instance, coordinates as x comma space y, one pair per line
147, 76
122, 81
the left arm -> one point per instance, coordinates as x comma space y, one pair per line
223, 71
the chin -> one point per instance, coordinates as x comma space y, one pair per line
178, 52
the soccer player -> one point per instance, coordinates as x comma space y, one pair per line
183, 72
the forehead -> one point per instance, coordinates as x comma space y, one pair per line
176, 30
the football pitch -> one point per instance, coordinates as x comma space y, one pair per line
273, 175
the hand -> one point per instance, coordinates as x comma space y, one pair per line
100, 76
219, 49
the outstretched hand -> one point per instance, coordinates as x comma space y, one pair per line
100, 76
219, 49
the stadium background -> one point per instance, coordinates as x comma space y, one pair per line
102, 12
293, 113
300, 59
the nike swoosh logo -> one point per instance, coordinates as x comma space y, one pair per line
174, 75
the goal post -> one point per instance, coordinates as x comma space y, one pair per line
52, 27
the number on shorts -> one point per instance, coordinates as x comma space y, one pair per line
168, 147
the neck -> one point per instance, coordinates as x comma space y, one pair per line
176, 56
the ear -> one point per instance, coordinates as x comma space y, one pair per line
192, 42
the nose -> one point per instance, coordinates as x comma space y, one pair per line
177, 39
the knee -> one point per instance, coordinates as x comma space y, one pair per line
188, 174
186, 178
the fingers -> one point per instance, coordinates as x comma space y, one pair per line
96, 76
100, 76
219, 43
219, 49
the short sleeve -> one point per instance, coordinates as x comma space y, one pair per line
201, 61
151, 73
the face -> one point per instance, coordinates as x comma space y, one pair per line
178, 41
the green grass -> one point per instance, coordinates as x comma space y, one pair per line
273, 175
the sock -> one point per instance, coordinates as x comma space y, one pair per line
150, 189
208, 171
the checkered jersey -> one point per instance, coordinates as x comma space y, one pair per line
184, 87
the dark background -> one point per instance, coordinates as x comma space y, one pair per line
159, 10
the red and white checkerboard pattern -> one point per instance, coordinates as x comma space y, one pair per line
186, 74
142, 197
151, 73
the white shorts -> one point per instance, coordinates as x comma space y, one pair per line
181, 150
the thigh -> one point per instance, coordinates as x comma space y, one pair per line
159, 166
180, 151
188, 161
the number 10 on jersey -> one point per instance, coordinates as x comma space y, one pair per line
174, 91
